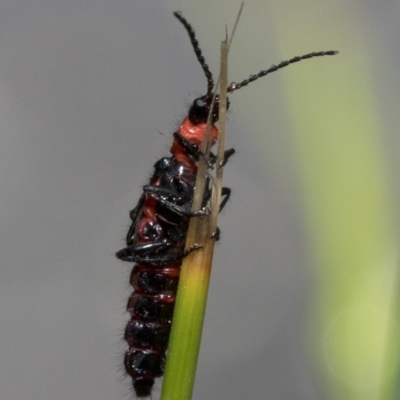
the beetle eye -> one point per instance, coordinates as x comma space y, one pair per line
200, 103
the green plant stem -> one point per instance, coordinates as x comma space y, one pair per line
183, 350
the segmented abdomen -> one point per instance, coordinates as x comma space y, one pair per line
155, 242
147, 333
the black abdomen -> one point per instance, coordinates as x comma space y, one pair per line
155, 242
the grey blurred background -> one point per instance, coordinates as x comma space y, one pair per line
85, 86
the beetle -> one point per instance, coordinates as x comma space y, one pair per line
155, 241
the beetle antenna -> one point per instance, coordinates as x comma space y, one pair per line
197, 50
235, 86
